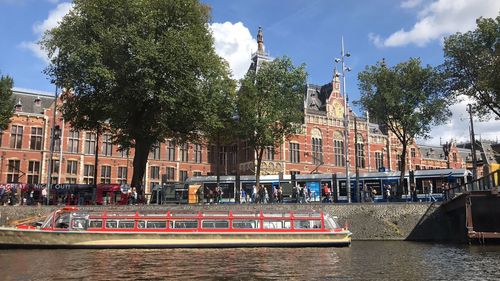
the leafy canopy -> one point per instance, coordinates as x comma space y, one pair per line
6, 101
472, 64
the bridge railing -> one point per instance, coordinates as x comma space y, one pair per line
486, 183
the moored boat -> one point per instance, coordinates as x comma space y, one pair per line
73, 228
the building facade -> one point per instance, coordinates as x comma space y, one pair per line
318, 148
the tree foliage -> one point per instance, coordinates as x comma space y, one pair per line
141, 66
270, 105
407, 99
6, 101
472, 63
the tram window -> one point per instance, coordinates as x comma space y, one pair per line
95, 224
246, 224
215, 224
276, 224
156, 224
111, 224
186, 224
126, 224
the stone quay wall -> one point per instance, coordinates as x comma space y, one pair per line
367, 221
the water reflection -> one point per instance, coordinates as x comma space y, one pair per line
362, 261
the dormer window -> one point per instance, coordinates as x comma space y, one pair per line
19, 106
38, 101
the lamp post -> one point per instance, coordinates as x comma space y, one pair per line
343, 56
51, 147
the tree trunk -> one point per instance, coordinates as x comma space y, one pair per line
217, 160
403, 170
260, 153
142, 148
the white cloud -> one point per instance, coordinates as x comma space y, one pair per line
458, 127
235, 44
55, 16
438, 19
411, 3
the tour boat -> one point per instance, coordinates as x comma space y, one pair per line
73, 228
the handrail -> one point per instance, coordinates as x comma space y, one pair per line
485, 183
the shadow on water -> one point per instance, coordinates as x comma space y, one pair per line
365, 260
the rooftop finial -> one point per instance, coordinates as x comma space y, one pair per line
260, 41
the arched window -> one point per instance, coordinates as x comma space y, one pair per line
317, 146
361, 151
338, 149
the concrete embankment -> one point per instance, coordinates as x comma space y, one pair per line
381, 221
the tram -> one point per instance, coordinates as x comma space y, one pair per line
429, 185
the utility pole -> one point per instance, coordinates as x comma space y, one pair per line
356, 156
51, 147
473, 145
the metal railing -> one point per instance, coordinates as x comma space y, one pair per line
489, 182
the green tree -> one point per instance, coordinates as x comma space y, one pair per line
6, 101
137, 65
406, 99
219, 126
270, 105
472, 64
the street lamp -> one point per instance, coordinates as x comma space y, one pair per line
54, 135
343, 56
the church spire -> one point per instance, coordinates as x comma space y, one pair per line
260, 41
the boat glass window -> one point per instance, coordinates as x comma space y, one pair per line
307, 224
111, 224
307, 215
246, 224
276, 224
79, 224
95, 224
215, 214
186, 224
215, 224
331, 223
180, 214
156, 224
126, 224
276, 215
63, 221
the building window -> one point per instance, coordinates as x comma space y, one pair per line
123, 152
378, 160
72, 167
361, 155
33, 172
196, 174
155, 173
36, 138
170, 151
413, 152
13, 171
184, 152
183, 175
269, 153
106, 174
16, 136
293, 173
338, 152
70, 180
170, 173
155, 151
55, 166
107, 145
317, 151
122, 175
74, 141
197, 153
211, 155
88, 174
294, 152
90, 140
57, 140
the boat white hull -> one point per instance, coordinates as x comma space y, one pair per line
21, 238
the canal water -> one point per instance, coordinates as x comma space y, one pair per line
364, 260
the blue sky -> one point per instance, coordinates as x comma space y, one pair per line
307, 31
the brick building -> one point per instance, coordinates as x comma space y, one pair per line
318, 148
